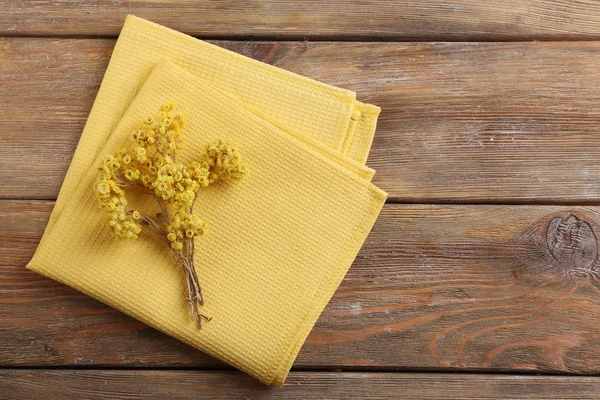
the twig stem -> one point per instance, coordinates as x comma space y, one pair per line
185, 257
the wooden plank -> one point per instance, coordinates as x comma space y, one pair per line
171, 385
460, 20
48, 88
495, 288
461, 122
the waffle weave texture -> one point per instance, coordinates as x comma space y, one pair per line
280, 241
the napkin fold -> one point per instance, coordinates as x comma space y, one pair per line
280, 241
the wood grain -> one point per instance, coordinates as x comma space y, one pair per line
171, 385
453, 288
460, 20
477, 287
461, 122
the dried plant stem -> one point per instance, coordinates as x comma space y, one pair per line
185, 258
151, 224
195, 296
163, 210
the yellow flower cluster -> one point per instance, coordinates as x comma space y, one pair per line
109, 189
223, 162
182, 227
162, 131
150, 163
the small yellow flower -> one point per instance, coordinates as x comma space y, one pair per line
146, 180
103, 189
168, 106
129, 175
162, 186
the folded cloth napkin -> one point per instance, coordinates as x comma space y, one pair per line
280, 241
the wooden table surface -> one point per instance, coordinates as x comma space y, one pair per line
481, 278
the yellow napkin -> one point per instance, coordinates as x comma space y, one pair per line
280, 241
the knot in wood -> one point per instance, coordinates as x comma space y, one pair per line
572, 242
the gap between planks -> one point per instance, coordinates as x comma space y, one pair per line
424, 202
310, 39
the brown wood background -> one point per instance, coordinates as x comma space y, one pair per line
481, 278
